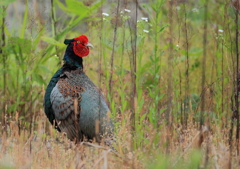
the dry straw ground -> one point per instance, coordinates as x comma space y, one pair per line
25, 149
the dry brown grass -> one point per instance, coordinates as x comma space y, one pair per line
46, 148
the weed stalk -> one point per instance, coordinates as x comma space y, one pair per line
54, 31
237, 75
113, 48
3, 39
186, 104
204, 63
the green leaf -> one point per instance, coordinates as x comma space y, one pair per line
196, 50
74, 7
96, 5
162, 110
44, 68
143, 117
162, 28
6, 2
38, 38
52, 41
21, 45
3, 12
38, 78
24, 25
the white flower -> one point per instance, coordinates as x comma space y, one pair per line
220, 30
127, 10
121, 12
178, 8
177, 46
195, 10
104, 19
145, 19
105, 14
146, 31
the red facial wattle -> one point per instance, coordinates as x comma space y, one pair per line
79, 47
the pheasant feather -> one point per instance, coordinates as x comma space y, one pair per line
71, 96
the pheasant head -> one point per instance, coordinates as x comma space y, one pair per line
80, 45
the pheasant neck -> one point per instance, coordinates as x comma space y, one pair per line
71, 59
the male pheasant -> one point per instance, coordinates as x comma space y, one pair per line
72, 101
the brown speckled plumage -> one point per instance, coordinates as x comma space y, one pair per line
71, 87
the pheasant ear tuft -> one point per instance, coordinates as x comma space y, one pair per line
68, 41
82, 38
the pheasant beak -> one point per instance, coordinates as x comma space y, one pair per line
89, 45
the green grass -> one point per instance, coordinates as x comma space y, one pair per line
166, 83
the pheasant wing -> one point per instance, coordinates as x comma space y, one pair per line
62, 98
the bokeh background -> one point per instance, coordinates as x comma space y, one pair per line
169, 70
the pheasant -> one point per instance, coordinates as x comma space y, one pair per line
72, 102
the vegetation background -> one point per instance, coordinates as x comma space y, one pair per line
168, 69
